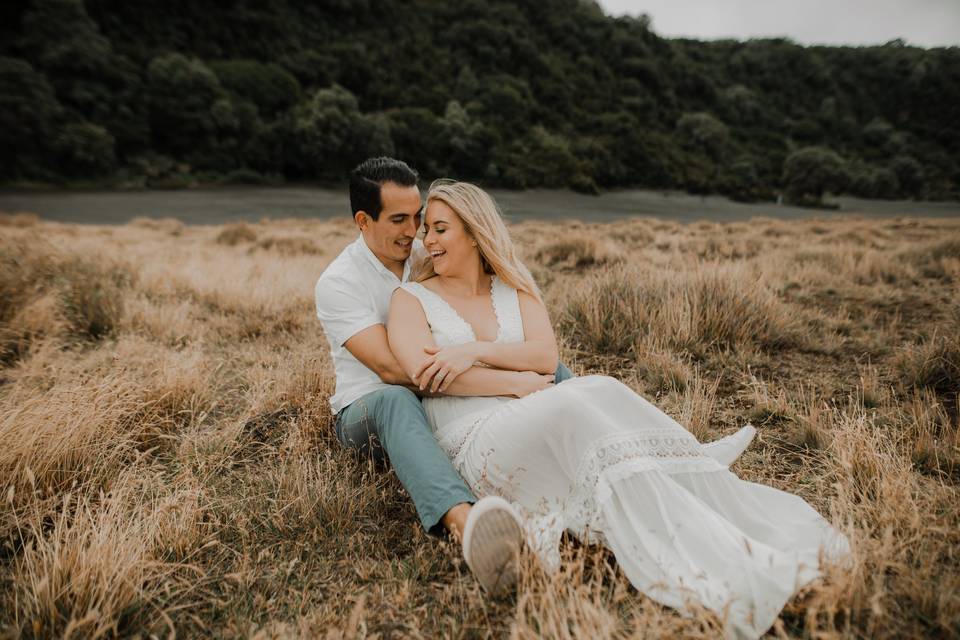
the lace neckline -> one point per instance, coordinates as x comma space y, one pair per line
456, 314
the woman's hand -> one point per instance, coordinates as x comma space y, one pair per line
530, 382
447, 363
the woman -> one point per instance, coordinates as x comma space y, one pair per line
589, 455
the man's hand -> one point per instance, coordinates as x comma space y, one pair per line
439, 371
528, 382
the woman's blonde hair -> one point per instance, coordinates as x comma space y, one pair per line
484, 223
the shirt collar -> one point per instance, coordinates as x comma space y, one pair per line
369, 255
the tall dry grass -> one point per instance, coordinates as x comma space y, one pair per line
167, 463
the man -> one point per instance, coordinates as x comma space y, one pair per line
377, 408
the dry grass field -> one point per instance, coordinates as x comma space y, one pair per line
168, 468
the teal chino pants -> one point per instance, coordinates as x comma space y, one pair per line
390, 424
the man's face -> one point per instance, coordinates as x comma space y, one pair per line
391, 236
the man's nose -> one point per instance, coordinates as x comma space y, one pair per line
411, 229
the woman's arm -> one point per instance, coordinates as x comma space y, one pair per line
408, 333
538, 352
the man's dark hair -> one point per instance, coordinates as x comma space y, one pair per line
366, 179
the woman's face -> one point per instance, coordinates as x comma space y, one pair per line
451, 248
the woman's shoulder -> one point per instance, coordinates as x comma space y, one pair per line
417, 288
431, 284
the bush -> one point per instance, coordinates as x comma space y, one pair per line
181, 93
329, 134
811, 171
909, 174
21, 219
28, 111
934, 364
247, 176
696, 312
234, 234
929, 260
46, 292
608, 313
703, 131
576, 253
269, 86
85, 150
170, 226
290, 246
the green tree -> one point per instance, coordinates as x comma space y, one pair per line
464, 140
810, 172
419, 138
741, 105
91, 80
236, 125
909, 174
29, 112
182, 92
268, 86
85, 150
704, 132
330, 135
539, 159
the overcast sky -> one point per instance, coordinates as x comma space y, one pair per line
925, 23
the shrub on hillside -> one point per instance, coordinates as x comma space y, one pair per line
85, 150
810, 172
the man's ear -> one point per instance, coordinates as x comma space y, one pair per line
362, 219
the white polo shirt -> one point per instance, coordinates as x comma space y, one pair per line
353, 293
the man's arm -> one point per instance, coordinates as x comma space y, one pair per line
349, 319
371, 348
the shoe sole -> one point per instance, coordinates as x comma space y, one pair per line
494, 550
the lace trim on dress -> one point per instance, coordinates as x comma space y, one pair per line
455, 440
441, 313
623, 454
446, 324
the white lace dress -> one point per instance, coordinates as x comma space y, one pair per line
592, 457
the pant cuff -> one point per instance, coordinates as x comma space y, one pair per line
431, 519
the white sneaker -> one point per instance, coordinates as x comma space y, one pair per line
491, 544
727, 450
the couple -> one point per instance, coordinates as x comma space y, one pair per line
465, 328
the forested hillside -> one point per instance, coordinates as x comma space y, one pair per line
530, 93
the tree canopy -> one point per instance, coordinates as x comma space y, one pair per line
522, 94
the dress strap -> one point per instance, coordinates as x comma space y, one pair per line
506, 306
